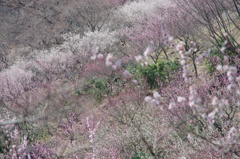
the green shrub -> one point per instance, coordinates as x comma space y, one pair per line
3, 145
40, 133
154, 74
98, 88
141, 155
211, 62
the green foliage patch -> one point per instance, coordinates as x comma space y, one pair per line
141, 155
154, 74
98, 88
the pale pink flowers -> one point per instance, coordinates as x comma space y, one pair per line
100, 56
180, 46
225, 68
232, 134
109, 60
118, 63
92, 132
219, 67
127, 74
222, 49
139, 58
135, 82
171, 105
155, 100
156, 95
181, 99
148, 99
151, 100
238, 79
215, 101
182, 157
148, 51
93, 57
144, 64
210, 118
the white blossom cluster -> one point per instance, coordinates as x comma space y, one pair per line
231, 71
194, 99
137, 10
154, 100
91, 40
13, 81
115, 65
183, 56
142, 59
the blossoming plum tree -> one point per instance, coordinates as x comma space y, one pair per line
185, 118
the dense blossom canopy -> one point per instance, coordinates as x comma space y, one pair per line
119, 79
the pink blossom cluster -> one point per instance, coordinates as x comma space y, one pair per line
17, 146
154, 100
234, 80
183, 56
92, 136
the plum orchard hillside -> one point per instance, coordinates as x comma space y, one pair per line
119, 79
